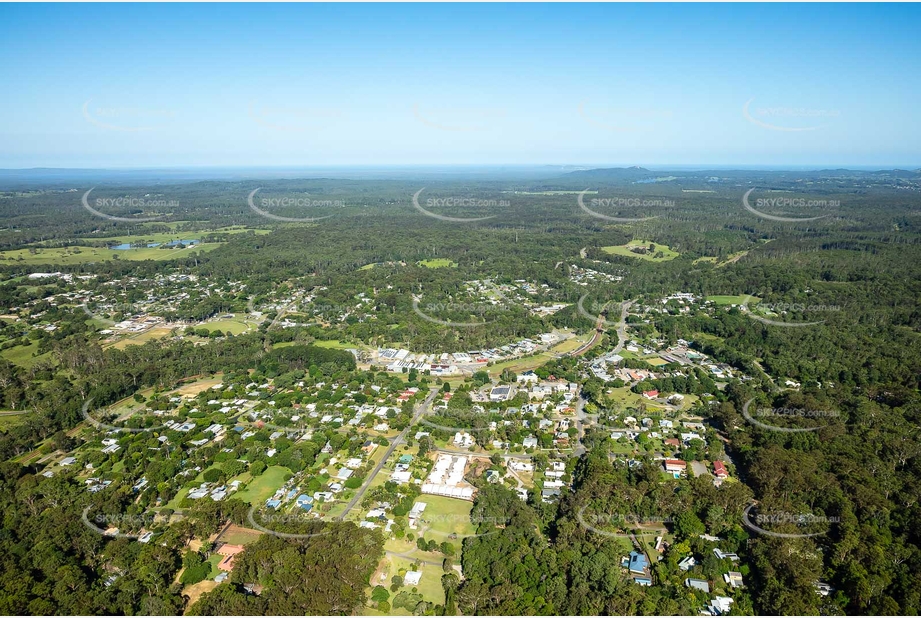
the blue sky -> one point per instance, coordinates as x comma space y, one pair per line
276, 85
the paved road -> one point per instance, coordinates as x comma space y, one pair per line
599, 329
393, 445
622, 326
581, 416
448, 451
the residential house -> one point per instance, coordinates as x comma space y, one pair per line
720, 554
687, 564
698, 584
733, 578
675, 465
638, 563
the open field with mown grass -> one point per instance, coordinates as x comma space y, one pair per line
263, 486
653, 256
738, 299
438, 263
22, 355
142, 338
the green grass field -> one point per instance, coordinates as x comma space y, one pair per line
438, 263
625, 250
429, 586
262, 487
446, 516
338, 345
529, 363
240, 536
214, 560
733, 300
237, 325
11, 420
22, 355
142, 338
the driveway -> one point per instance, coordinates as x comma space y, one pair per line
700, 469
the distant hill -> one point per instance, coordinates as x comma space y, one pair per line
613, 174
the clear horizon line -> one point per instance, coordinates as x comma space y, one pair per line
701, 166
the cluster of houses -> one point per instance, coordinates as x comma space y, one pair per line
369, 416
447, 478
585, 276
666, 431
638, 566
553, 484
449, 363
538, 390
401, 470
520, 292
216, 492
718, 605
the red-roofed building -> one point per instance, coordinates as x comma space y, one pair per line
675, 465
229, 552
673, 442
651, 394
719, 470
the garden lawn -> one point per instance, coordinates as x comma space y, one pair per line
263, 486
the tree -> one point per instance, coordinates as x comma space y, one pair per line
379, 594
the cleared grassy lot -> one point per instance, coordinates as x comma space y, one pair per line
338, 345
429, 586
23, 355
262, 487
142, 338
237, 325
738, 299
438, 263
528, 363
446, 516
627, 250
